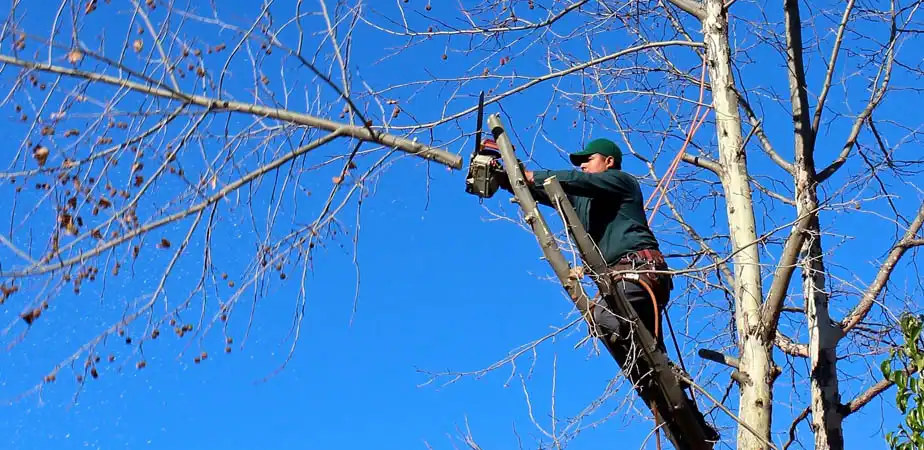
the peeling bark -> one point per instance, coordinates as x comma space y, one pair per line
823, 335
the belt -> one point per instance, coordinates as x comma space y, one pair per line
648, 254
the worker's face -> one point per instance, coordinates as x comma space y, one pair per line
597, 163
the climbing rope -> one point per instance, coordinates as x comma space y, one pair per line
694, 126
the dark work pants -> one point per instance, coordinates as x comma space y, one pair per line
639, 298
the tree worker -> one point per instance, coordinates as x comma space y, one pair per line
610, 206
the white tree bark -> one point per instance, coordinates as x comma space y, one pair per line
756, 396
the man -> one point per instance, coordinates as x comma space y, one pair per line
610, 206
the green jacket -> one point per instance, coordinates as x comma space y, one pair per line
609, 205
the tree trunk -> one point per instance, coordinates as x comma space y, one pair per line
823, 338
823, 334
755, 396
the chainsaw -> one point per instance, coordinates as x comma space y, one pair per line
484, 165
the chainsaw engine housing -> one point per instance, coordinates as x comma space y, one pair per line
482, 175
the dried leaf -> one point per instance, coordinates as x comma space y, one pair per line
31, 316
74, 56
91, 6
40, 154
67, 223
138, 45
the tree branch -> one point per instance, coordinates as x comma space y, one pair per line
490, 30
358, 132
692, 7
225, 191
785, 268
862, 399
885, 271
798, 96
794, 424
703, 162
874, 101
788, 346
838, 40
558, 74
765, 144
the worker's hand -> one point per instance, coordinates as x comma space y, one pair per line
529, 176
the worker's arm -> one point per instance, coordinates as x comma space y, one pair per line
537, 192
575, 182
540, 195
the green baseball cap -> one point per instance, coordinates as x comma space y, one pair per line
602, 146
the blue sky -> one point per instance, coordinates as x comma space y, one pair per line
443, 286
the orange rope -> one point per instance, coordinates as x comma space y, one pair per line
654, 303
694, 126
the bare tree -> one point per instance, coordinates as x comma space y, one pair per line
143, 128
